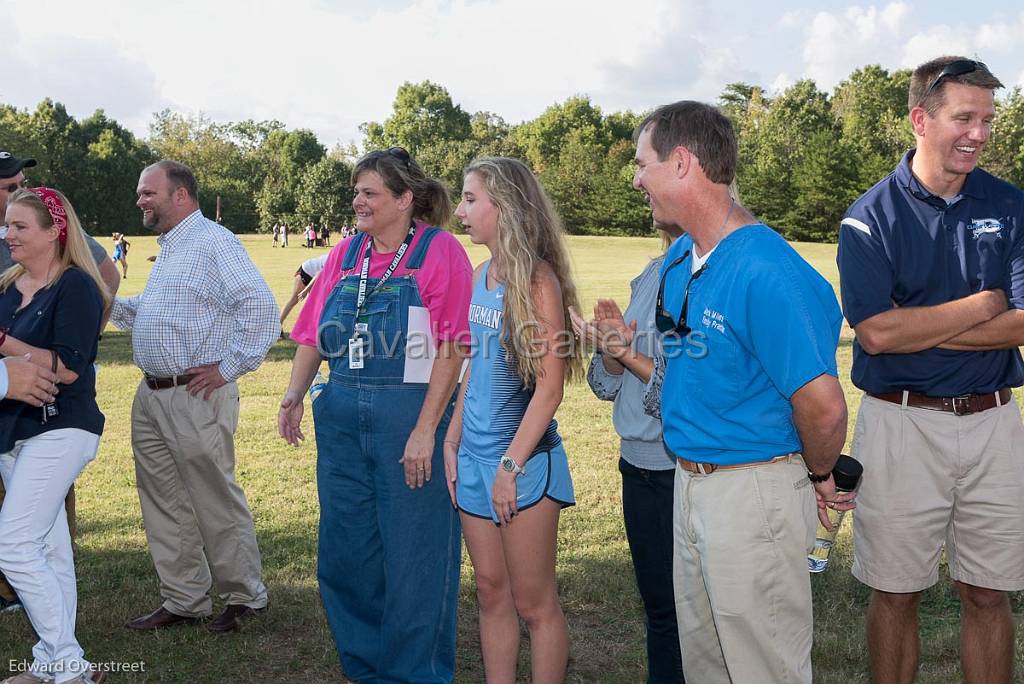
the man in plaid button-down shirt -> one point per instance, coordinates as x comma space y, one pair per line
205, 318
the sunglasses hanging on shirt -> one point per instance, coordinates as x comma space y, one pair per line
663, 320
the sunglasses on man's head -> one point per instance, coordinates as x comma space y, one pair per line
13, 186
663, 319
954, 69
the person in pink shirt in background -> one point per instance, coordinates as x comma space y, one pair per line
389, 543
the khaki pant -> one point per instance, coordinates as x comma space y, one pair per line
6, 591
743, 593
198, 523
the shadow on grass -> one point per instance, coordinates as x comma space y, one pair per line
290, 639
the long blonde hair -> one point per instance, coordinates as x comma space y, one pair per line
529, 232
75, 252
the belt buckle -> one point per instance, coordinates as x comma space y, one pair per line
962, 405
706, 468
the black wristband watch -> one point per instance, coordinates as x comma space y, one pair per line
818, 478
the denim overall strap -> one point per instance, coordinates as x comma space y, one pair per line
416, 258
354, 249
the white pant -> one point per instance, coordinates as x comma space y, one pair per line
35, 545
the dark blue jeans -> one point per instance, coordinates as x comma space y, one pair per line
647, 512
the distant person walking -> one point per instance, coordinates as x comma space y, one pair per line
277, 235
121, 246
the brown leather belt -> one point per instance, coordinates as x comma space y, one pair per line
962, 406
708, 468
167, 383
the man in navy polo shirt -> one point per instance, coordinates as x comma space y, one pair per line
931, 261
750, 403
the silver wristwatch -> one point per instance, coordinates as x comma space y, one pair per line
509, 465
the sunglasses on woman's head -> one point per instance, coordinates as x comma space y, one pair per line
400, 153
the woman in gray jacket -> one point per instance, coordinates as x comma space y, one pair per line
620, 371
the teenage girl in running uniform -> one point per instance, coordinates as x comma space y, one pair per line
506, 466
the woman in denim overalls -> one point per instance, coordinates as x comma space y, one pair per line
389, 549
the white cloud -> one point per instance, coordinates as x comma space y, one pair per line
935, 42
781, 83
332, 65
836, 44
312, 64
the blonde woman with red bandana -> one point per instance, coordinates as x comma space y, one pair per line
51, 303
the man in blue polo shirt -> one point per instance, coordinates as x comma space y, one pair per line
751, 406
931, 261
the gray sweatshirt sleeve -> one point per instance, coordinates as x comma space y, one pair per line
652, 391
604, 384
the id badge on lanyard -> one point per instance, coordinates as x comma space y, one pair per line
357, 346
360, 336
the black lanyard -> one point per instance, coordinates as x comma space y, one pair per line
365, 272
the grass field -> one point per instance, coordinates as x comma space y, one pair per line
291, 640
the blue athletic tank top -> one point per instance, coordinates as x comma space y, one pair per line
496, 398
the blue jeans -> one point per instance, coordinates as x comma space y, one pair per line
388, 555
647, 512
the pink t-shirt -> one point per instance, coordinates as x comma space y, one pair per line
445, 281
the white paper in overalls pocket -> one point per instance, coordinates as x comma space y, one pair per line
420, 350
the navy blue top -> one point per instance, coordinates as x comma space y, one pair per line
901, 245
64, 317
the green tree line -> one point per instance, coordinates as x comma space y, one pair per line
805, 155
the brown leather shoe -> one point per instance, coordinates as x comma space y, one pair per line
159, 619
232, 618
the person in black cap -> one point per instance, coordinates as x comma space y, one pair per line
12, 177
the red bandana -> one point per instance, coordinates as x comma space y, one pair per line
57, 211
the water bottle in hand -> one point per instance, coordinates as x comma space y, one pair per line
846, 475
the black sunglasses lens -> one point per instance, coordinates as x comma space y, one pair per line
400, 153
957, 68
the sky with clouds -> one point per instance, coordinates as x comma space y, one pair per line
330, 65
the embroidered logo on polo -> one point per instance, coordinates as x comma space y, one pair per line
714, 320
985, 226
